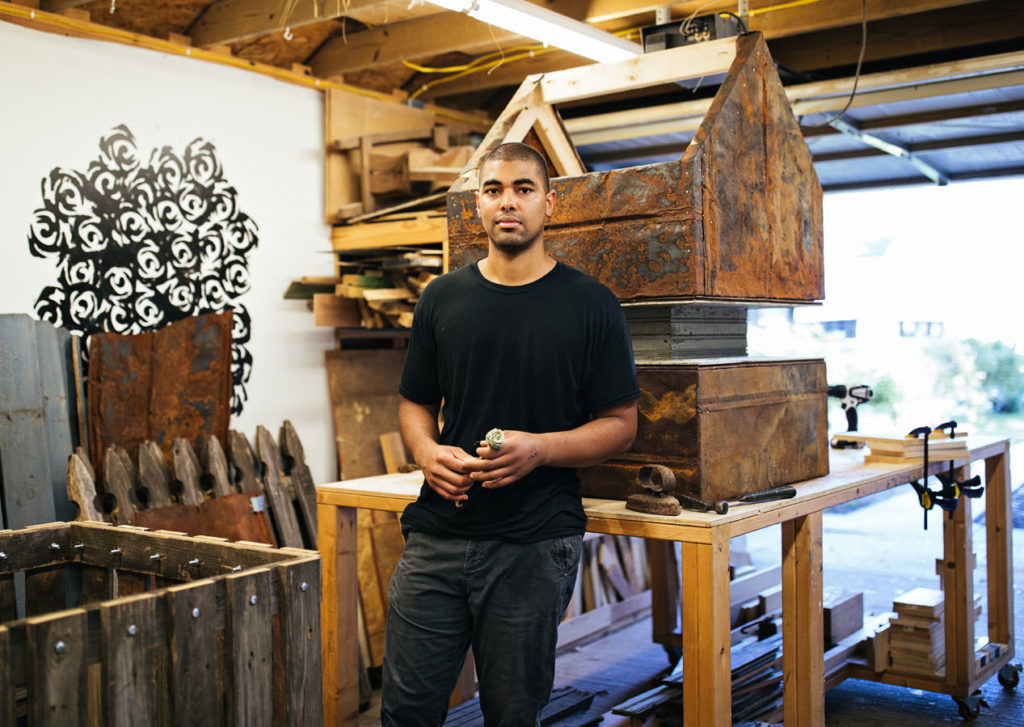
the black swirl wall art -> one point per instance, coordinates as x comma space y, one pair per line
139, 245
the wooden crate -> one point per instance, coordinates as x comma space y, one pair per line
162, 629
724, 426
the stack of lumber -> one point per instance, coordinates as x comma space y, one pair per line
895, 449
387, 300
917, 639
564, 704
383, 264
380, 293
756, 684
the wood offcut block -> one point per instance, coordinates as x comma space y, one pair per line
843, 613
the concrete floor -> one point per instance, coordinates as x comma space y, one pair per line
879, 548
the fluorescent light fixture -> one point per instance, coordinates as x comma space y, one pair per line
547, 26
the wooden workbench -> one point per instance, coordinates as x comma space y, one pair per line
704, 598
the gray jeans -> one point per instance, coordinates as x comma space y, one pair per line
504, 599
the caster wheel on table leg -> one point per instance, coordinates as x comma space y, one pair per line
674, 653
1009, 676
970, 707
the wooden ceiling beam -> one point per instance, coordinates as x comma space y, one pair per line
774, 24
990, 21
815, 17
230, 21
425, 37
412, 40
938, 79
55, 6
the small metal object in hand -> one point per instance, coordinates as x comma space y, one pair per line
495, 438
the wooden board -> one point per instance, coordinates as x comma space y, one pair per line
298, 600
249, 625
24, 454
56, 381
57, 673
364, 399
192, 609
7, 698
173, 382
694, 416
130, 637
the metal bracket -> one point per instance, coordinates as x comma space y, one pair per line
896, 150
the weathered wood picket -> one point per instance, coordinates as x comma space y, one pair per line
164, 630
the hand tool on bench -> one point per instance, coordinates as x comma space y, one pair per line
722, 506
850, 397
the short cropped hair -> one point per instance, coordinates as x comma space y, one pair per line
515, 152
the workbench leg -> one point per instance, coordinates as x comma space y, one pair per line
339, 647
665, 588
707, 682
803, 652
958, 588
998, 524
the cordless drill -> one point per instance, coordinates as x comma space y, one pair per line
850, 397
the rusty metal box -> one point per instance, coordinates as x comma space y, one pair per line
724, 426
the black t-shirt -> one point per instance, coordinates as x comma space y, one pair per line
541, 357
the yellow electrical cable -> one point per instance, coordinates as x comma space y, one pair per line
475, 64
783, 6
472, 64
427, 86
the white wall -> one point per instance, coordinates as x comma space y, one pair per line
59, 96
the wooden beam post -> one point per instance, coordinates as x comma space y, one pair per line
338, 614
707, 687
999, 553
803, 655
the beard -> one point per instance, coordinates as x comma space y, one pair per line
513, 241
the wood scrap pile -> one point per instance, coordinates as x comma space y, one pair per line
383, 265
563, 709
204, 490
894, 449
917, 638
756, 684
390, 166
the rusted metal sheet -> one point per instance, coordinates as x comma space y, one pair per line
725, 427
231, 516
737, 217
173, 382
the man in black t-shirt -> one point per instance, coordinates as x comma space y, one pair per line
520, 343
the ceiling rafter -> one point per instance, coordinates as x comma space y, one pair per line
814, 18
231, 21
425, 37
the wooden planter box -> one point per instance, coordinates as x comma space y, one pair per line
724, 426
170, 629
